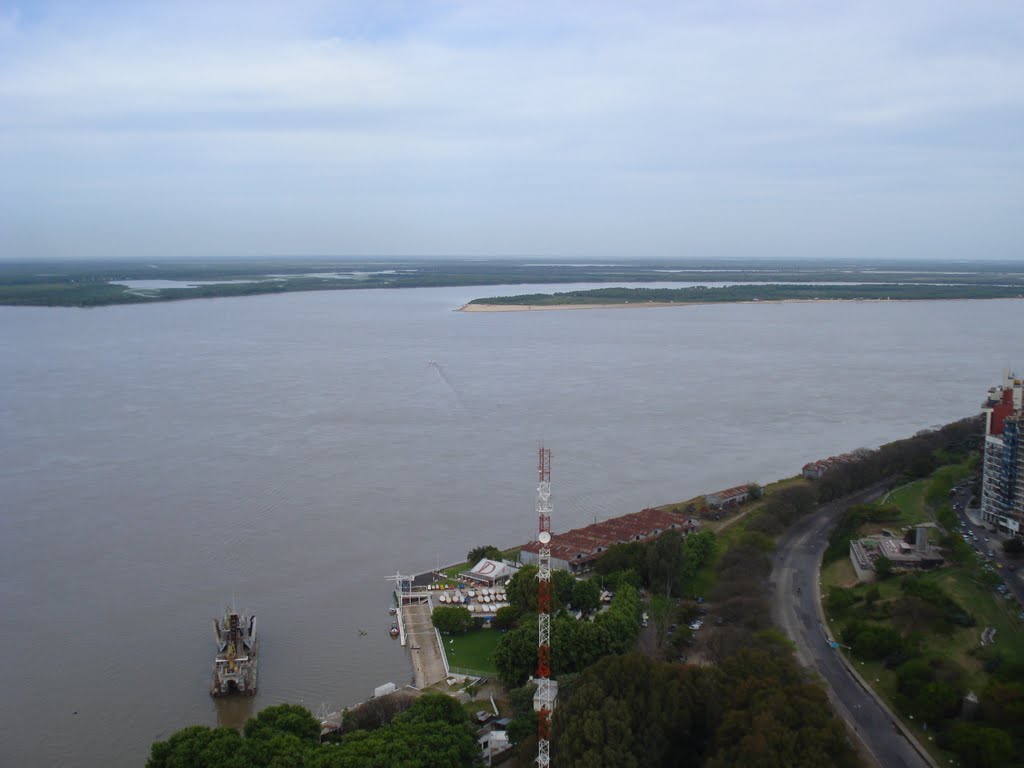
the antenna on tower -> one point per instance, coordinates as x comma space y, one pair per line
544, 699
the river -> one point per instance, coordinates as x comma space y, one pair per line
290, 452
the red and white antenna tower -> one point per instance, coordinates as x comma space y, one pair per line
544, 693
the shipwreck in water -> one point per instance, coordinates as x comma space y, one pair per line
234, 667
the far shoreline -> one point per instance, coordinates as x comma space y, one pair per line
471, 307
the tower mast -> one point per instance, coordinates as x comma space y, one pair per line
544, 698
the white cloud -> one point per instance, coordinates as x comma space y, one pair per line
407, 111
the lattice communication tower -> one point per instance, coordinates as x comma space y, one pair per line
544, 697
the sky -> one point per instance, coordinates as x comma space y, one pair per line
686, 129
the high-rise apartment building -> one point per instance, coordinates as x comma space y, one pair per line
1002, 485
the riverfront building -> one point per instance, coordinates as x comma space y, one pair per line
576, 550
730, 497
1002, 485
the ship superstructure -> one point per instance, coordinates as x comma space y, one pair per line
234, 668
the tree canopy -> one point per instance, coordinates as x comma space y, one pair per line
434, 732
477, 554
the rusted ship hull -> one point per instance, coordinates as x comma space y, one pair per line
236, 662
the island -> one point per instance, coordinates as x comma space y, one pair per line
95, 283
604, 298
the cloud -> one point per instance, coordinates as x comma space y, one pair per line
407, 111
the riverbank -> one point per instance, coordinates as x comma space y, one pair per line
471, 307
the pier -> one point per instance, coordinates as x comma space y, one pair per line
416, 630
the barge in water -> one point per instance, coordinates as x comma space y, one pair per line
234, 667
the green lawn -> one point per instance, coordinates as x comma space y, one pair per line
910, 499
838, 574
473, 650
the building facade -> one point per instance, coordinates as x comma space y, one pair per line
1002, 484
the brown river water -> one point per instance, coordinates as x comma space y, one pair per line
290, 452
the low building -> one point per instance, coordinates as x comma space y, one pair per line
576, 550
913, 552
815, 469
730, 497
489, 572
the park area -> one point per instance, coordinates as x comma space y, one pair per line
473, 652
928, 640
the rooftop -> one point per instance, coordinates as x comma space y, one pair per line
594, 539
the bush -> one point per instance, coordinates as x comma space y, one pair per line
839, 601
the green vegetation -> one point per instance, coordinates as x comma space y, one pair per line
919, 635
755, 709
735, 293
668, 564
909, 502
453, 619
433, 733
84, 283
477, 554
474, 651
575, 644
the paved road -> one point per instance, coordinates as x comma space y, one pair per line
794, 605
984, 540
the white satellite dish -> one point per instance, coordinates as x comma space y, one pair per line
544, 537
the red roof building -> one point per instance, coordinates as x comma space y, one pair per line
576, 550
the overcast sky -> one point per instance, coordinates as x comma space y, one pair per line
706, 129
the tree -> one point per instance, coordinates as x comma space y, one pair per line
522, 589
477, 554
774, 718
632, 711
883, 567
980, 746
199, 747
586, 595
1014, 546
524, 718
756, 491
505, 618
1003, 704
452, 619
284, 718
515, 656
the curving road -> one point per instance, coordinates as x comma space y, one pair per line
796, 609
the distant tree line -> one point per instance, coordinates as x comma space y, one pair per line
734, 293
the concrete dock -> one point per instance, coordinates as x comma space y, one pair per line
421, 640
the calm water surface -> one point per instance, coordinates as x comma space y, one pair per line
290, 452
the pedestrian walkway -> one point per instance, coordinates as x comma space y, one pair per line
428, 661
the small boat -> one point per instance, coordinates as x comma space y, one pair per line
392, 610
394, 630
